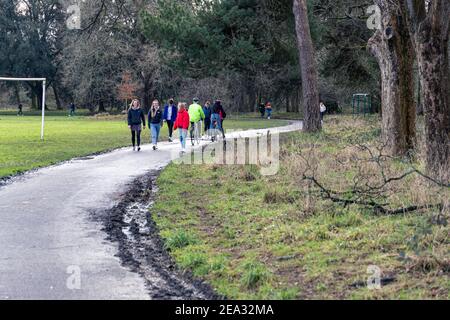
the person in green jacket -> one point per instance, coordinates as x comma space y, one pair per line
196, 116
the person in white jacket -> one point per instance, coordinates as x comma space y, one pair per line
323, 109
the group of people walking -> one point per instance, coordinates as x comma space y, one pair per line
266, 110
177, 117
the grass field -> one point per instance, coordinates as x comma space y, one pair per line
256, 237
66, 138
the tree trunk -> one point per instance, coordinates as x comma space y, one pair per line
36, 97
251, 98
288, 101
148, 84
101, 106
430, 32
308, 68
392, 48
34, 105
57, 99
17, 93
419, 99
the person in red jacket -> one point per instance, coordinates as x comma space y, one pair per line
182, 123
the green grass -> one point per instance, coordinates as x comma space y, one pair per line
261, 237
67, 138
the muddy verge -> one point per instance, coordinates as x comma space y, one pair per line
130, 225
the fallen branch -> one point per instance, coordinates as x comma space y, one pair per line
377, 207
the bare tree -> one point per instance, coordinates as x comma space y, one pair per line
391, 45
308, 68
429, 26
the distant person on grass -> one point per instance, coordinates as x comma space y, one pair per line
269, 110
323, 110
182, 124
72, 109
155, 119
170, 115
208, 112
262, 109
196, 116
20, 112
136, 118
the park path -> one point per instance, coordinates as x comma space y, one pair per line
51, 246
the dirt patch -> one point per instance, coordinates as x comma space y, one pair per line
130, 225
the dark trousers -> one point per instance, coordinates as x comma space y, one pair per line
170, 124
191, 131
207, 125
134, 135
222, 129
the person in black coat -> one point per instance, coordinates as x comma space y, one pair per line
262, 109
136, 118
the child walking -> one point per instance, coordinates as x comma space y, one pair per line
155, 119
182, 123
136, 118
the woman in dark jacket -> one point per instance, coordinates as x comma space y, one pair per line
218, 116
155, 119
136, 118
208, 113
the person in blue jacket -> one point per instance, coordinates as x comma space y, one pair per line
170, 115
208, 113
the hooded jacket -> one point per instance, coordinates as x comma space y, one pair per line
182, 121
196, 113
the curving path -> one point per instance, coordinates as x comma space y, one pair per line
52, 248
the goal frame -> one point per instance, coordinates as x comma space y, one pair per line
44, 83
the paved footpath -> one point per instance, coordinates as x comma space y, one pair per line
47, 234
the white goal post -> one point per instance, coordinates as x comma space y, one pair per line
44, 81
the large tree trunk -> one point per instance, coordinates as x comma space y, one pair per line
36, 96
148, 84
101, 106
392, 48
57, 99
430, 32
308, 68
